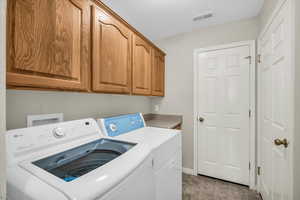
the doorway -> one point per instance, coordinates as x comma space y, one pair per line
224, 89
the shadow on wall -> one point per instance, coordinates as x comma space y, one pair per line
73, 105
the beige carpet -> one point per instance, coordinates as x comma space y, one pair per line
205, 188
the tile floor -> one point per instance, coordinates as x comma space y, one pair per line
205, 188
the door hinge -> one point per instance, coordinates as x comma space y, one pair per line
250, 59
258, 171
259, 58
249, 166
250, 113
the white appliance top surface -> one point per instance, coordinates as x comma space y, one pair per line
132, 127
25, 146
152, 136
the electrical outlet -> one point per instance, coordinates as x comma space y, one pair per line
156, 108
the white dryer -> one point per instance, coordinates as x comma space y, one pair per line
165, 146
72, 160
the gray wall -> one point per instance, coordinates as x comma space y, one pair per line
179, 71
2, 99
73, 105
179, 86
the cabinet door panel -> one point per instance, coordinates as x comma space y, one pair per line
111, 54
141, 67
158, 74
48, 44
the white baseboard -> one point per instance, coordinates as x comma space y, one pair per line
188, 171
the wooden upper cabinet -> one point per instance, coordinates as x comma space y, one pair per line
48, 44
158, 74
79, 45
111, 53
141, 81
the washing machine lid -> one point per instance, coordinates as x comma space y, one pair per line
94, 179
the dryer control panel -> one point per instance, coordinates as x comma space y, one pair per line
114, 126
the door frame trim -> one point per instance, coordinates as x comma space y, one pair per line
252, 106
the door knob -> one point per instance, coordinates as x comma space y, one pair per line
283, 142
201, 119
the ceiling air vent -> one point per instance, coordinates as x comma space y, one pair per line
203, 16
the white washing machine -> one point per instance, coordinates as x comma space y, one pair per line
165, 146
73, 161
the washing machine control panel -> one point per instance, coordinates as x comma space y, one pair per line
39, 137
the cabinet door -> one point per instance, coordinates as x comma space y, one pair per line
141, 67
111, 54
48, 44
158, 74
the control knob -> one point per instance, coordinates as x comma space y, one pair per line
113, 127
58, 132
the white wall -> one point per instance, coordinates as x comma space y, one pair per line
74, 105
179, 71
2, 98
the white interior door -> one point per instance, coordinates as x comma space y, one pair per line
275, 105
223, 103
